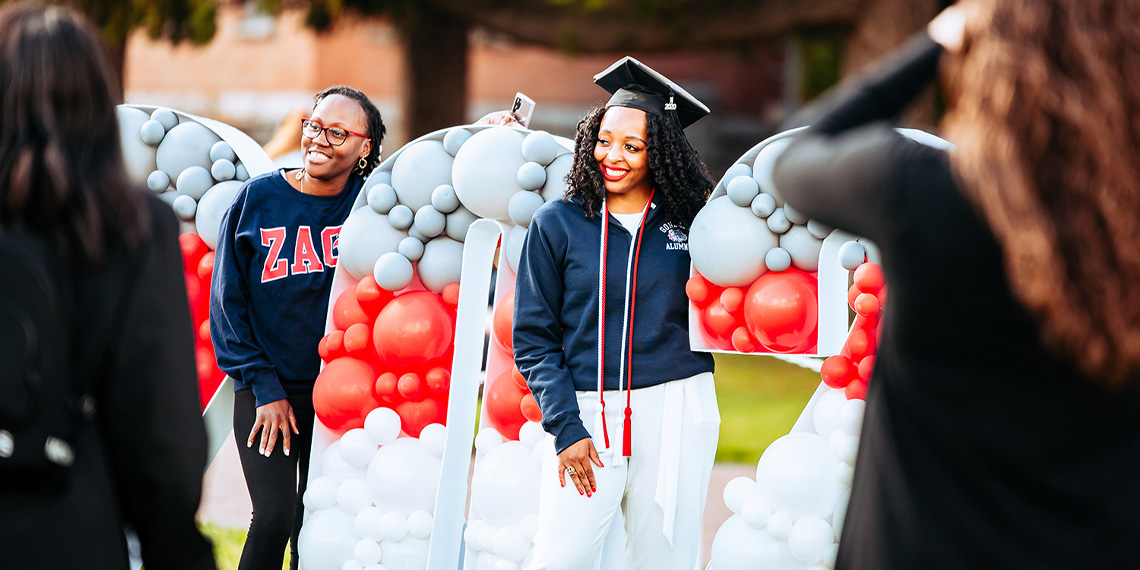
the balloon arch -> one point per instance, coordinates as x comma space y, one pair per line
404, 346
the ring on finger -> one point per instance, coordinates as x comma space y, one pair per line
570, 471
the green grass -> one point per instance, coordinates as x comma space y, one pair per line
228, 543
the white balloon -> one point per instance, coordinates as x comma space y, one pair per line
212, 209
327, 540
420, 167
851, 255
429, 221
194, 182
486, 560
443, 198
158, 181
187, 144
504, 486
367, 523
739, 491
778, 222
487, 439
795, 216
352, 496
367, 552
531, 176
433, 438
241, 174
410, 553
138, 156
441, 263
830, 555
393, 527
514, 245
528, 526
471, 534
320, 493
818, 229
738, 546
756, 512
351, 565
531, 434
165, 117
556, 172
809, 539
738, 169
485, 172
334, 466
382, 425
762, 167
728, 243
501, 564
419, 524
457, 223
454, 139
825, 416
403, 477
401, 217
487, 539
851, 416
522, 206
779, 525
357, 447
797, 472
223, 169
763, 205
152, 132
845, 474
222, 151
382, 198
803, 247
849, 449
364, 238
411, 248
840, 512
184, 207
540, 147
742, 190
777, 259
379, 177
510, 544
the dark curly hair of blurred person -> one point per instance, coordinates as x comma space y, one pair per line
376, 128
679, 175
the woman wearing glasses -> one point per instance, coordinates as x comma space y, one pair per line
272, 279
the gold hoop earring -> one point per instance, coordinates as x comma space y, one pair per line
362, 164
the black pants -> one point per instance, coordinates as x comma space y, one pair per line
276, 483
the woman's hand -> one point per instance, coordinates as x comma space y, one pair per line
498, 118
272, 417
575, 462
947, 27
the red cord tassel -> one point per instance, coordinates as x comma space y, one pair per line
605, 430
627, 444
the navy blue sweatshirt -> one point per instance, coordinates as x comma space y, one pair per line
556, 311
273, 273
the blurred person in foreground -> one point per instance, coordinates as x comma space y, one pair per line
1002, 427
140, 452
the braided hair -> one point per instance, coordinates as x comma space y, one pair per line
376, 127
681, 180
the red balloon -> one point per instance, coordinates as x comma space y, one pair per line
387, 388
837, 371
866, 366
518, 378
342, 394
860, 344
718, 325
412, 330
731, 298
450, 295
198, 294
503, 399
698, 289
192, 248
856, 390
206, 266
868, 277
371, 297
530, 409
501, 322
869, 322
204, 330
331, 346
853, 293
410, 386
867, 304
743, 341
347, 310
415, 416
356, 340
781, 309
438, 380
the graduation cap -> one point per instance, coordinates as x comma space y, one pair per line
636, 85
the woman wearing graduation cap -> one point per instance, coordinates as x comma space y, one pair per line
630, 409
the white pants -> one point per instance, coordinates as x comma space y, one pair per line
675, 430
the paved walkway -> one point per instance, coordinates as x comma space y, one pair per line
225, 501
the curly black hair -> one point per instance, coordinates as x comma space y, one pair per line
679, 175
376, 127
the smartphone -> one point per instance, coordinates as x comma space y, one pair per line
522, 109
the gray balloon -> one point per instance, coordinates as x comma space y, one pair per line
763, 205
513, 245
742, 190
458, 222
152, 132
158, 181
540, 147
443, 198
778, 222
794, 216
379, 177
241, 173
441, 263
138, 156
392, 271
728, 243
222, 149
412, 231
522, 207
194, 182
212, 208
184, 207
738, 169
873, 253
167, 118
223, 169
531, 176
364, 237
169, 198
429, 221
819, 229
803, 247
187, 144
382, 198
777, 259
401, 217
411, 248
485, 173
556, 172
762, 167
454, 138
851, 255
419, 168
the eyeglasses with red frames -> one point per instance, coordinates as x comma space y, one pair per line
335, 135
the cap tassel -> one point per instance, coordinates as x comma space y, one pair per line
627, 444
